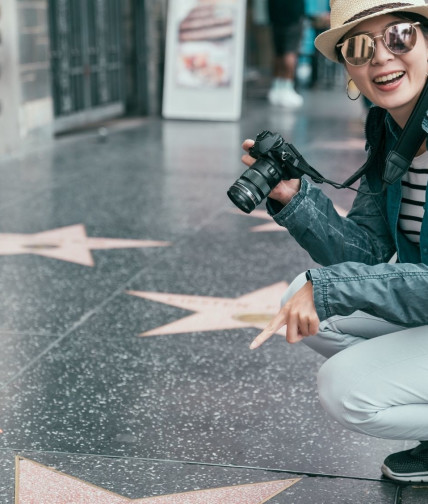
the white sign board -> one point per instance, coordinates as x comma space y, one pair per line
9, 77
204, 59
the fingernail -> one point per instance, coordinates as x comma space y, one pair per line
253, 345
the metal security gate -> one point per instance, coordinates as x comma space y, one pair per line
86, 61
142, 104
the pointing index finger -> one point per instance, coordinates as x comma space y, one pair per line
274, 325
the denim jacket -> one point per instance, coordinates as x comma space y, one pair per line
354, 251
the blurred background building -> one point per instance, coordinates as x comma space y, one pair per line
67, 64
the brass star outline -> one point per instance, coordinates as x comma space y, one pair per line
215, 314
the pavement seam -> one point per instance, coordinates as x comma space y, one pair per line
398, 495
204, 464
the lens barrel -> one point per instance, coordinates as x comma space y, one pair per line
254, 184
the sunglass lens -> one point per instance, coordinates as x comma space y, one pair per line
400, 38
358, 50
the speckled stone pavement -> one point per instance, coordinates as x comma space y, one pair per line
130, 292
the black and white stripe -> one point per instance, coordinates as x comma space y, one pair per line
412, 210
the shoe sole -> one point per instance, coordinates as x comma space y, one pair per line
421, 477
277, 102
291, 106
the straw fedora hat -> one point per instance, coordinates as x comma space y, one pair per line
345, 14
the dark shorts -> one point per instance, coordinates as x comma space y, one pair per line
287, 38
285, 12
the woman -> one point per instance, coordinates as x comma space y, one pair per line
367, 314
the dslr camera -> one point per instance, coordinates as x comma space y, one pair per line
276, 160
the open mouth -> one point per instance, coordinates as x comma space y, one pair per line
385, 80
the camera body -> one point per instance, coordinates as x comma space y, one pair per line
276, 160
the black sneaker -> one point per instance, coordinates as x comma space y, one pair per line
409, 465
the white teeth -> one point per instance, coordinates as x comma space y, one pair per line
389, 77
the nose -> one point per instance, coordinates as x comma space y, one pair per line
381, 54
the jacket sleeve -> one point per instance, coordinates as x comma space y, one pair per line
310, 217
394, 292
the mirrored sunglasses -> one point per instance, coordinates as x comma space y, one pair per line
399, 38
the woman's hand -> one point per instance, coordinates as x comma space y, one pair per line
298, 314
285, 190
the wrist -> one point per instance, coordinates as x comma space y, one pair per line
285, 191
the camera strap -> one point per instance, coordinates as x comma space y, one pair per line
400, 158
396, 164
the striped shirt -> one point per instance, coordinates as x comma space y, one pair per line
412, 210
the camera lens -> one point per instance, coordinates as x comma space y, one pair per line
243, 198
254, 185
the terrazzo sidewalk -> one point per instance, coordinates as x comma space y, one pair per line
131, 289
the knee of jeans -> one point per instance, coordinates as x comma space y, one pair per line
341, 393
295, 285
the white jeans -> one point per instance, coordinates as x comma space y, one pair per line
375, 380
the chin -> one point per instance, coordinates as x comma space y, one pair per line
391, 102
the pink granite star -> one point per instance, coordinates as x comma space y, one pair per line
38, 484
68, 243
215, 314
272, 225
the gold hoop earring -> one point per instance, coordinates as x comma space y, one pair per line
351, 90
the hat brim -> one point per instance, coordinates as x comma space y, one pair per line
327, 40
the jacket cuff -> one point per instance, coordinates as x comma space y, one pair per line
279, 212
320, 284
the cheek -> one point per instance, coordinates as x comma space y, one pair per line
419, 54
417, 65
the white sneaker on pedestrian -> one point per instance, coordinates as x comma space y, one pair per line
289, 98
283, 94
273, 95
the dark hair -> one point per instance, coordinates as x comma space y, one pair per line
407, 16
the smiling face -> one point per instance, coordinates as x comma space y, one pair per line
391, 81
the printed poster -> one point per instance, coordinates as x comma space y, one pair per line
206, 43
204, 60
